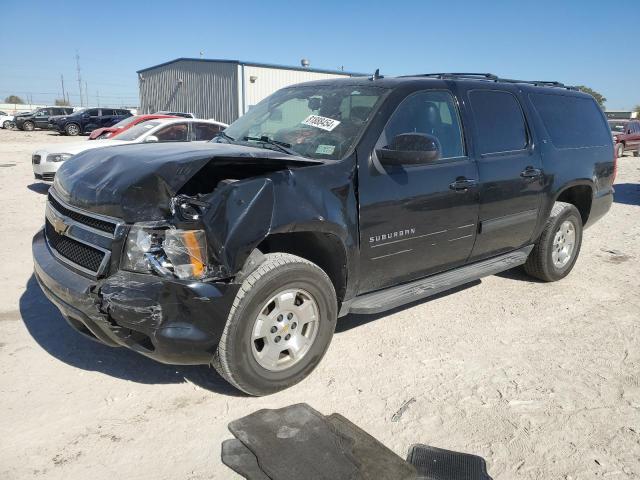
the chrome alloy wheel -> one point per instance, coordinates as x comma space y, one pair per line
564, 243
285, 329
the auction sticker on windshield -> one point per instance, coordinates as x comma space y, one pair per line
324, 123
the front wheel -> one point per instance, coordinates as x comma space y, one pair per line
28, 126
557, 249
7, 124
279, 327
72, 129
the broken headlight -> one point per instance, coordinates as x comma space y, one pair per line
166, 251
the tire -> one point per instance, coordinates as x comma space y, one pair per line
6, 124
28, 126
237, 358
72, 129
541, 262
619, 150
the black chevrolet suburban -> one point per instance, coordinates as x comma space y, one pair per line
327, 198
39, 118
87, 120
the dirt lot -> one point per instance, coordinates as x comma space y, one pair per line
543, 380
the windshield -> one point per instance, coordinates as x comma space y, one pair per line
125, 122
316, 121
617, 127
135, 132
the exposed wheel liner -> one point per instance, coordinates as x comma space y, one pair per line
233, 358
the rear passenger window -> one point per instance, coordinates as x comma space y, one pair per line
499, 121
572, 122
107, 112
205, 131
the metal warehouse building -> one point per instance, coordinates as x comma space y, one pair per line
218, 89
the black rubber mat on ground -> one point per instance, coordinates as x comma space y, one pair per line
438, 464
376, 462
241, 460
296, 442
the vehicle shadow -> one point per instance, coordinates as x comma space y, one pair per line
42, 188
49, 329
518, 273
353, 320
627, 193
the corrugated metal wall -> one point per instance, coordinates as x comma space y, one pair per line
268, 80
212, 89
208, 89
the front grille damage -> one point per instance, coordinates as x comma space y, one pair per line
77, 252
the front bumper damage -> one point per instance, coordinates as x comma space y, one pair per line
169, 320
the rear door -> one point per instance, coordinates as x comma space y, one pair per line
417, 220
107, 117
510, 171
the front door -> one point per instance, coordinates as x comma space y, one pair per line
42, 118
510, 169
422, 219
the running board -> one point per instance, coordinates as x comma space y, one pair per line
393, 297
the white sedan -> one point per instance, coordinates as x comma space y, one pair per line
47, 160
5, 120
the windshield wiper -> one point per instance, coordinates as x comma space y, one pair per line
225, 136
282, 146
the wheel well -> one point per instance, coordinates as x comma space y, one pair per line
323, 249
580, 196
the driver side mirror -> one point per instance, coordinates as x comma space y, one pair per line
410, 149
151, 139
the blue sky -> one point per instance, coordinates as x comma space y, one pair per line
576, 42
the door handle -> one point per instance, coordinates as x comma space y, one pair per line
531, 172
463, 184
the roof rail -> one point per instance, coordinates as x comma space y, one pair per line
493, 78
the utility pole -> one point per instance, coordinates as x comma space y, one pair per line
62, 81
86, 93
98, 97
79, 77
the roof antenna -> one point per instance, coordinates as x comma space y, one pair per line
376, 75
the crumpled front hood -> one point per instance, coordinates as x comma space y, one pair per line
136, 182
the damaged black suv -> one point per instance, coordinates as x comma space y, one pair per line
352, 195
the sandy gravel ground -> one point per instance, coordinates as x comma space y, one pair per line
543, 380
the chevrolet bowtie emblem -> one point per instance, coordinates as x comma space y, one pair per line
59, 226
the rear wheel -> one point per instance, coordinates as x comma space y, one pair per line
72, 129
279, 327
619, 150
7, 124
28, 126
557, 249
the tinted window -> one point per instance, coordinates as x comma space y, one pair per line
499, 121
107, 111
42, 113
173, 133
122, 112
92, 112
433, 113
205, 131
572, 122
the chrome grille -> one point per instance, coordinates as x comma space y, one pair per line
80, 238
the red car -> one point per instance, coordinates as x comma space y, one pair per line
626, 135
127, 123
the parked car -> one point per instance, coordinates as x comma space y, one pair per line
176, 114
342, 195
39, 118
47, 160
6, 120
87, 120
123, 125
626, 135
